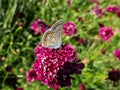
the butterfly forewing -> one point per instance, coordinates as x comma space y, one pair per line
52, 37
47, 38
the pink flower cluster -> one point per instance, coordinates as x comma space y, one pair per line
70, 28
97, 10
53, 67
39, 26
114, 9
106, 33
117, 54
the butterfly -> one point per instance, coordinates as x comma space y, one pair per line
52, 37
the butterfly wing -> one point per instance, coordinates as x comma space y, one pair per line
52, 37
58, 28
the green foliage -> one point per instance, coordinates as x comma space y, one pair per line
17, 43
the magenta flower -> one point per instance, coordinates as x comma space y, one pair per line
19, 15
39, 27
117, 54
103, 51
82, 87
8, 69
94, 1
55, 66
97, 10
69, 2
20, 88
113, 9
81, 41
70, 28
80, 19
118, 13
106, 33
114, 75
101, 25
32, 75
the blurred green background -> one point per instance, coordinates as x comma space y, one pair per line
17, 41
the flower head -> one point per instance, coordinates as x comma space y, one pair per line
54, 66
113, 9
106, 33
32, 75
97, 10
39, 26
8, 69
118, 13
80, 19
82, 87
19, 15
117, 54
94, 1
103, 51
69, 2
114, 75
81, 41
101, 25
20, 24
20, 88
69, 68
70, 28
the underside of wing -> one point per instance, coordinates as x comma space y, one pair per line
52, 37
58, 28
48, 38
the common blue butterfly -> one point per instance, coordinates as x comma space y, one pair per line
52, 37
